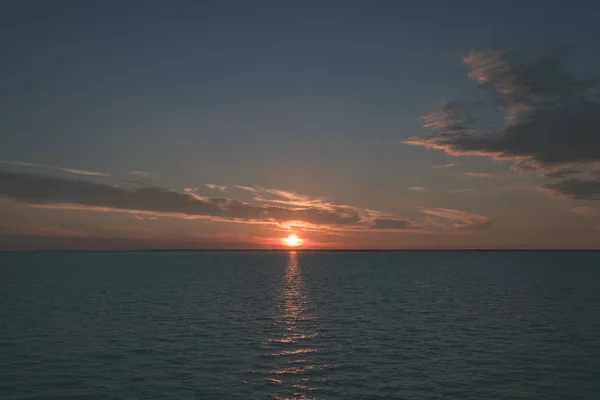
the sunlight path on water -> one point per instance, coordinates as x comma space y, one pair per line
288, 347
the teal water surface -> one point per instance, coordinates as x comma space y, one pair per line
300, 325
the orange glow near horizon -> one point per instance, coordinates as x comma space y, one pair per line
292, 241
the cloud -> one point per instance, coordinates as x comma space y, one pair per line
141, 174
291, 199
455, 219
190, 190
575, 189
54, 168
246, 188
378, 214
478, 175
67, 193
449, 165
216, 187
585, 211
462, 190
391, 223
560, 173
551, 118
286, 194
143, 218
416, 188
435, 220
148, 202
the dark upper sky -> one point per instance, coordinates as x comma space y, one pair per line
316, 106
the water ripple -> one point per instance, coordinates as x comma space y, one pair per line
258, 325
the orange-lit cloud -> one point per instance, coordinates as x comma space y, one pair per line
286, 209
246, 188
216, 187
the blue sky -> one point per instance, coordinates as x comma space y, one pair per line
314, 98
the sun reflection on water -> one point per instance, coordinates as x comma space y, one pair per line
289, 347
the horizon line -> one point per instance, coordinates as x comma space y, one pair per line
289, 250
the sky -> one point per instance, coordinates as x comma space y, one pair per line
350, 124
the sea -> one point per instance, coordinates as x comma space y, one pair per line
300, 325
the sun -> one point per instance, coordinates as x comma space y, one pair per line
292, 241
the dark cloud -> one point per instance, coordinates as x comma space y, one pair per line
53, 168
551, 117
575, 189
391, 223
561, 173
48, 190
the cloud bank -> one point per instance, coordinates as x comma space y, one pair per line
272, 206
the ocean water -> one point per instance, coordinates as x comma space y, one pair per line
300, 325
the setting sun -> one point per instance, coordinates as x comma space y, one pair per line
292, 241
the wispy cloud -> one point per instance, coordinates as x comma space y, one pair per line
246, 188
286, 209
468, 190
478, 175
560, 173
461, 220
378, 214
190, 190
436, 220
416, 188
288, 198
551, 116
53, 191
54, 168
216, 187
449, 165
141, 174
586, 211
286, 194
144, 217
